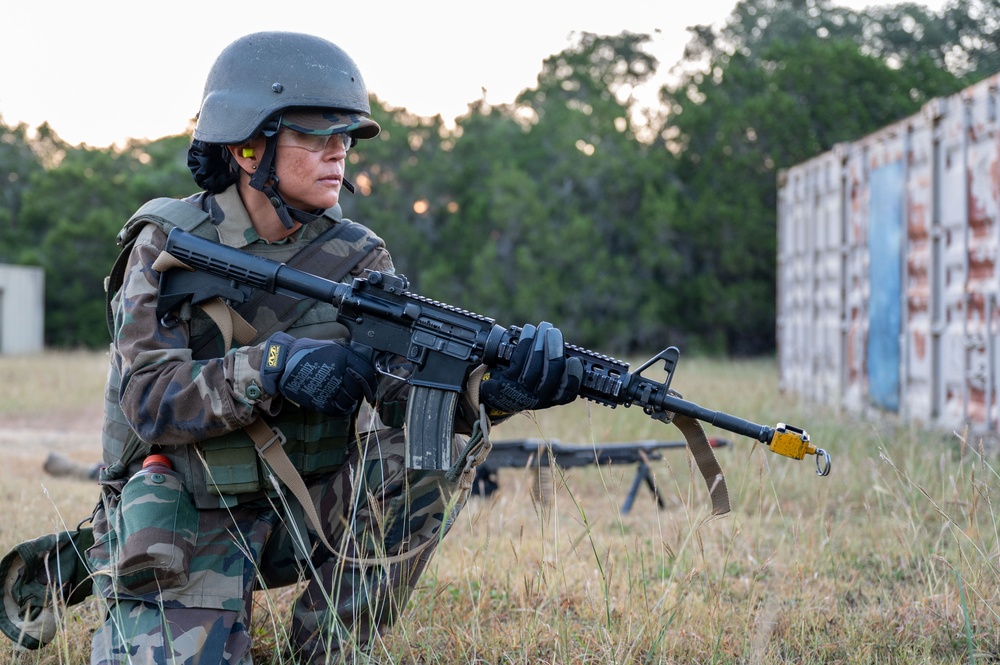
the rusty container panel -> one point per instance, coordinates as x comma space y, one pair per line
933, 180
875, 169
826, 358
951, 223
919, 400
967, 203
979, 306
885, 324
886, 164
809, 298
856, 282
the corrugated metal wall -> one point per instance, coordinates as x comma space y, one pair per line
22, 309
888, 286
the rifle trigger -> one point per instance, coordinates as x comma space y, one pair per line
384, 370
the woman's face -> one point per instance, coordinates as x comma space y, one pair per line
310, 168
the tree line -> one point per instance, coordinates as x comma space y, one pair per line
631, 229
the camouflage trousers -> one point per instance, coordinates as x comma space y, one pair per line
385, 522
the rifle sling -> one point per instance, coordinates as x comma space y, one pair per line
270, 445
704, 457
269, 441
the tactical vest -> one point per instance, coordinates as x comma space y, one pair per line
226, 470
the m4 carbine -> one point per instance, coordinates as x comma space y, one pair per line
443, 343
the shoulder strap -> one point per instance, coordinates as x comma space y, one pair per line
264, 436
269, 442
166, 213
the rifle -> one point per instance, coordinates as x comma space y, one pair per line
542, 454
443, 343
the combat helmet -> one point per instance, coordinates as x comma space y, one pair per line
253, 81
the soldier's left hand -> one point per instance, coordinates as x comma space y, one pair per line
540, 375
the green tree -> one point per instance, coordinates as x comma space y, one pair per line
18, 163
76, 208
769, 90
960, 38
401, 192
971, 42
591, 172
551, 201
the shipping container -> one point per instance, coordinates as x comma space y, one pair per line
22, 309
887, 268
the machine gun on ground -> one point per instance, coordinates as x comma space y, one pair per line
542, 455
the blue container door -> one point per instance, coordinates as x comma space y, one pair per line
885, 270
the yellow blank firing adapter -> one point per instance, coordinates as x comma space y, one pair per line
248, 152
794, 442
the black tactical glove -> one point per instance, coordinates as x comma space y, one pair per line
323, 376
540, 375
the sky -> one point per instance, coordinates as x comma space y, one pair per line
104, 71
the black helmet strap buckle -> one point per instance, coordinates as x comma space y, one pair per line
265, 179
265, 171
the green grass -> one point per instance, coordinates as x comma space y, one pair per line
893, 558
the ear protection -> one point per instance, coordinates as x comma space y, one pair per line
248, 152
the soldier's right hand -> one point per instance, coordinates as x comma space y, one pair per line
319, 375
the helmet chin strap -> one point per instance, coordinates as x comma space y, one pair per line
265, 179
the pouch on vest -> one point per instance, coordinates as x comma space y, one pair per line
36, 575
231, 466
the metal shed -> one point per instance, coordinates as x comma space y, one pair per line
888, 284
22, 309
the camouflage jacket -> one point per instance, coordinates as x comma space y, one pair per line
172, 397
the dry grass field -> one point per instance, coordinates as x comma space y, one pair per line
893, 558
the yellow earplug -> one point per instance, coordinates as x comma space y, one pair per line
248, 152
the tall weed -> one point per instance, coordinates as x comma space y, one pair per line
893, 558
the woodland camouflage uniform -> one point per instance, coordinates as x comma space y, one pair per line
372, 512
179, 554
